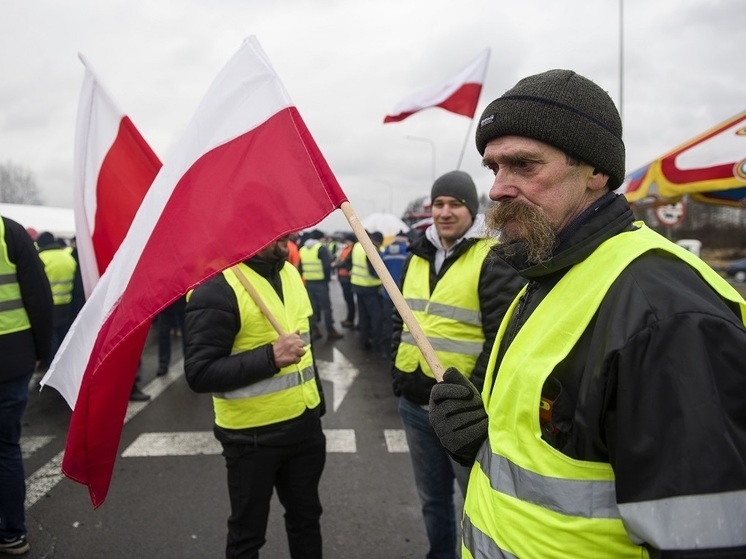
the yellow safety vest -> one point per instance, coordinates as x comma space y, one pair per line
313, 269
360, 273
59, 266
526, 499
450, 316
13, 316
293, 389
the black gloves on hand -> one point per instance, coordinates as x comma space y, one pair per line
458, 416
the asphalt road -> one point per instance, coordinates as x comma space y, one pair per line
168, 497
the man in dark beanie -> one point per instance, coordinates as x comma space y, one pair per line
611, 421
458, 295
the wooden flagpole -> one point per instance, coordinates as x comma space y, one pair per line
393, 290
258, 300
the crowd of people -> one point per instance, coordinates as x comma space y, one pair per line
593, 400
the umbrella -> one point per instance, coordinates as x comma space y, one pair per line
386, 224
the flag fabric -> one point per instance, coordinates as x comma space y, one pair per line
458, 94
710, 167
245, 173
113, 167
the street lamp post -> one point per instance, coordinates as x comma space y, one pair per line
391, 193
432, 145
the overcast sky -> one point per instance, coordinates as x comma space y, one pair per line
347, 63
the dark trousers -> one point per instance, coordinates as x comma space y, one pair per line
13, 398
349, 297
318, 292
370, 326
169, 318
253, 473
387, 325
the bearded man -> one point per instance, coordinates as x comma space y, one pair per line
611, 422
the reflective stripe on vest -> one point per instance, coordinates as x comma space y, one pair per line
313, 269
450, 316
59, 266
551, 505
360, 274
293, 389
13, 316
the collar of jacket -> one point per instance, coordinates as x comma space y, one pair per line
609, 216
265, 268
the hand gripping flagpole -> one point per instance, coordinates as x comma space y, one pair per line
393, 290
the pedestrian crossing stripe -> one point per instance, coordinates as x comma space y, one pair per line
196, 443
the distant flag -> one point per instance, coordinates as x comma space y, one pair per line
458, 94
245, 173
711, 167
113, 169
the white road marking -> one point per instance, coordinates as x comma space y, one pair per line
340, 372
195, 443
192, 443
396, 440
45, 478
340, 440
31, 444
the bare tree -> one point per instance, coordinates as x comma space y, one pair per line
18, 185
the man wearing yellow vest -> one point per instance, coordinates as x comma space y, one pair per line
60, 267
458, 294
25, 336
316, 268
267, 397
612, 422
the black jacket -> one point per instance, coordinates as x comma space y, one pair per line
21, 350
656, 385
498, 286
211, 323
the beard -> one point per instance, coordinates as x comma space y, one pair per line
518, 224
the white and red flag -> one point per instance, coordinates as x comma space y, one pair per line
245, 173
458, 94
113, 169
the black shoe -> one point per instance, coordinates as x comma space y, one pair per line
348, 323
334, 335
138, 395
14, 546
162, 370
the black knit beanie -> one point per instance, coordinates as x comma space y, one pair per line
563, 109
459, 185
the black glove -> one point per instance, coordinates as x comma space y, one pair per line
458, 416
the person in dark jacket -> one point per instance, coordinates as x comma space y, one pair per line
316, 268
458, 296
612, 421
267, 397
26, 313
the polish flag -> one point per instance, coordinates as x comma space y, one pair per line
113, 169
458, 94
245, 173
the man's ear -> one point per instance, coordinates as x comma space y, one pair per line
598, 179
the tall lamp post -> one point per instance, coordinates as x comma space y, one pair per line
432, 145
391, 193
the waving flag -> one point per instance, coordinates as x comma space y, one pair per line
245, 173
710, 167
113, 169
458, 94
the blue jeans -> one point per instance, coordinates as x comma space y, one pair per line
13, 398
434, 473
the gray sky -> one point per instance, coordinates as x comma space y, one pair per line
347, 63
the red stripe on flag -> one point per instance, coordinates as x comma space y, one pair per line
232, 202
464, 100
127, 171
